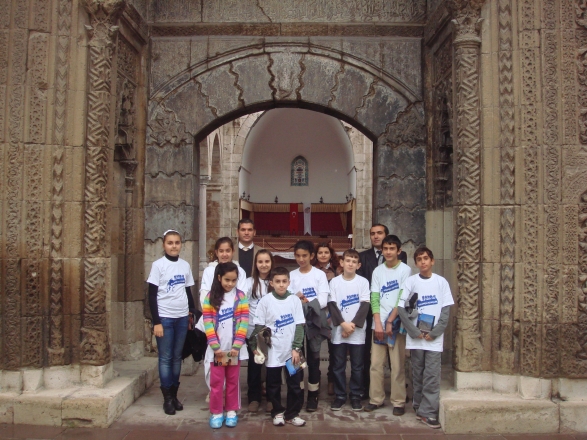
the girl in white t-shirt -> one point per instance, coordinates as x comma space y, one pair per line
171, 303
226, 320
224, 250
257, 286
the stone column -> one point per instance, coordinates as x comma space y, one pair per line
95, 346
204, 181
467, 119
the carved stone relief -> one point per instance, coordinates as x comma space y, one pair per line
95, 346
507, 229
442, 127
467, 201
56, 351
314, 11
531, 320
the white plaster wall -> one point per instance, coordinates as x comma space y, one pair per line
277, 138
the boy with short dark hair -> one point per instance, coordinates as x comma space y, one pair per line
311, 286
348, 304
386, 285
282, 313
425, 310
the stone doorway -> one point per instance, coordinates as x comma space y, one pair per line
252, 75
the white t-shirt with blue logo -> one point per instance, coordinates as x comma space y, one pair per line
433, 294
282, 316
172, 277
388, 282
225, 328
348, 296
253, 302
313, 284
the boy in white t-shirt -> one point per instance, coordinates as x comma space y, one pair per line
282, 313
387, 282
311, 286
348, 304
425, 311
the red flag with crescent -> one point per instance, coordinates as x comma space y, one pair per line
293, 219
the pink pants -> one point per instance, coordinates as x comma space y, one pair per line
218, 375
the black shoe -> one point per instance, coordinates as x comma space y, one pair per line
430, 421
312, 403
337, 404
356, 405
176, 403
168, 401
399, 410
371, 407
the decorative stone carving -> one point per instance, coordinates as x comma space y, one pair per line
442, 139
531, 321
165, 129
314, 11
286, 70
55, 348
507, 228
95, 347
468, 348
581, 330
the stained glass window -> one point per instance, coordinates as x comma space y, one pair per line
299, 171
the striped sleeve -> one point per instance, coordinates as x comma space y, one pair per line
209, 315
242, 321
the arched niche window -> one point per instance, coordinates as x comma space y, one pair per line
299, 171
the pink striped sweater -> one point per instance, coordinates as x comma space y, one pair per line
240, 321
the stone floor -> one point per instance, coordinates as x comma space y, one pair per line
145, 420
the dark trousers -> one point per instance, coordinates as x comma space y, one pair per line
313, 360
254, 381
295, 394
367, 353
339, 353
330, 374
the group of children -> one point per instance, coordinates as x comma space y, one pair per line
275, 317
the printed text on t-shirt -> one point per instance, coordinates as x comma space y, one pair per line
309, 292
283, 321
349, 301
225, 314
177, 279
390, 286
427, 300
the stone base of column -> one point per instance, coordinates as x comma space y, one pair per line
491, 403
51, 396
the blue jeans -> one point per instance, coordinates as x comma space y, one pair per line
339, 356
170, 347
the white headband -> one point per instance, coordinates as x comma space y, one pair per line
170, 230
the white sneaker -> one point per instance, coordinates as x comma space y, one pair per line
296, 421
230, 414
278, 420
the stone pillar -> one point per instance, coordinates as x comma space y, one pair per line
204, 180
95, 346
467, 119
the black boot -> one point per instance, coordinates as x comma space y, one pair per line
176, 403
312, 403
168, 401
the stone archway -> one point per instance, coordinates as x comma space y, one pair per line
270, 74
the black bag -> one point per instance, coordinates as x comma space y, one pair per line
195, 342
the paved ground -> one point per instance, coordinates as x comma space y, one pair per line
145, 420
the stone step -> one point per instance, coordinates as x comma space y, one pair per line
487, 412
83, 406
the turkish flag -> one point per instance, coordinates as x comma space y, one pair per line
293, 219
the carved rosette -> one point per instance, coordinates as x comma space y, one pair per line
95, 347
468, 348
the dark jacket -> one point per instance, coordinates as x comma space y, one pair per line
368, 261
